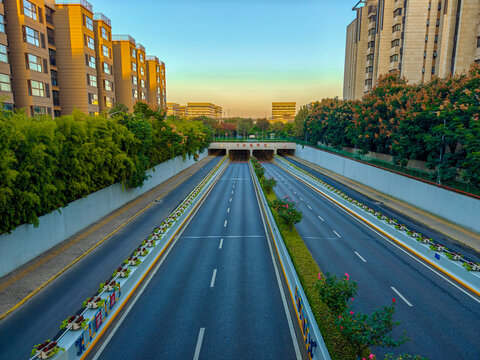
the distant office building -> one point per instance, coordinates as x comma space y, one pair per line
183, 111
156, 90
204, 109
284, 111
419, 39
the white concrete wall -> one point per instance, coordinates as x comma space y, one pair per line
27, 242
460, 209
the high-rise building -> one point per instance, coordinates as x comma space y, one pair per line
104, 59
28, 55
76, 57
284, 111
419, 39
203, 109
141, 73
125, 70
6, 93
156, 92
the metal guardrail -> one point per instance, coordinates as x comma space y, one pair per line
77, 342
417, 245
315, 345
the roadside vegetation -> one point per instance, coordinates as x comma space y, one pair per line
47, 163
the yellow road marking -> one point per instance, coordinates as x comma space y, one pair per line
45, 259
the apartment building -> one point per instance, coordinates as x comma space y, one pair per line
284, 111
156, 90
141, 73
6, 94
203, 109
104, 60
126, 70
28, 55
419, 39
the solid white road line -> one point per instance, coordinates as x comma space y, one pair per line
337, 234
199, 344
214, 275
403, 298
309, 207
320, 218
225, 223
221, 243
360, 256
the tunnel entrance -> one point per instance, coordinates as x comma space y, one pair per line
217, 152
286, 152
239, 155
263, 155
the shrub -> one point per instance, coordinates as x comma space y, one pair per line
335, 292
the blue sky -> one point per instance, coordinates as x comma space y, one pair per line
241, 55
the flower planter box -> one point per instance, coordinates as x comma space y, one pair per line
426, 240
110, 286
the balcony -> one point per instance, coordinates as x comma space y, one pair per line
100, 17
370, 50
369, 62
397, 19
84, 3
393, 66
372, 9
371, 37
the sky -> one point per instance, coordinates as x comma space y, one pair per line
240, 54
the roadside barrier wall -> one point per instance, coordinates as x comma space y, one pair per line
27, 242
457, 208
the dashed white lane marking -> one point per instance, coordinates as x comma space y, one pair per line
320, 218
221, 243
232, 192
228, 210
230, 199
360, 256
199, 344
214, 275
295, 193
309, 207
337, 234
301, 199
225, 223
403, 298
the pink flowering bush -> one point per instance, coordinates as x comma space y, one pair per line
336, 292
286, 209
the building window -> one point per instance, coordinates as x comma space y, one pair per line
107, 69
92, 99
439, 6
108, 85
88, 22
143, 96
2, 23
438, 22
52, 56
158, 91
395, 43
30, 9
50, 36
39, 110
371, 44
158, 69
92, 80
49, 15
394, 58
368, 82
141, 58
108, 102
478, 41
54, 77
56, 98
433, 70
135, 93
36, 88
3, 54
158, 79
32, 36
396, 27
134, 53
142, 83
371, 31
134, 66
89, 42
91, 61
397, 12
34, 63
105, 51
436, 38
5, 83
369, 69
134, 80
142, 72
370, 57
426, 38
105, 34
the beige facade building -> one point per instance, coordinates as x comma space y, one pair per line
284, 111
203, 109
419, 39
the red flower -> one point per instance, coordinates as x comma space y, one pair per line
393, 299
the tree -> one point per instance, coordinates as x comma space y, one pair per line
299, 123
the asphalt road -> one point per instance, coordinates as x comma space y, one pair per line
441, 320
40, 318
216, 295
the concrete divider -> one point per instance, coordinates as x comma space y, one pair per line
27, 242
313, 340
78, 343
416, 245
449, 205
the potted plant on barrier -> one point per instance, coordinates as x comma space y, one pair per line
46, 350
438, 247
426, 240
94, 302
453, 256
471, 266
133, 261
110, 285
78, 322
143, 252
123, 272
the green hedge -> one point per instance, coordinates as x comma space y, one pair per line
47, 163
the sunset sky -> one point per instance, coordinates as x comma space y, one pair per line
241, 55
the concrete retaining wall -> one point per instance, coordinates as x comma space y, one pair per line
457, 208
27, 242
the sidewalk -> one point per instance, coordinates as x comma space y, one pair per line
457, 233
22, 284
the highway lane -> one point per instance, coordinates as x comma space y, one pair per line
413, 224
40, 318
216, 294
440, 319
